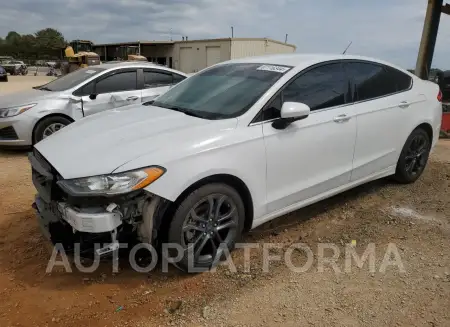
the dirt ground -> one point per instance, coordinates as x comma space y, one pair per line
18, 83
414, 219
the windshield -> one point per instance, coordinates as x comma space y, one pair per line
223, 91
71, 80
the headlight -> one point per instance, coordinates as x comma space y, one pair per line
112, 184
14, 111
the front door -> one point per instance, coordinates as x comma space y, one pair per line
313, 155
114, 90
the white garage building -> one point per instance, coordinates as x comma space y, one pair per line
190, 56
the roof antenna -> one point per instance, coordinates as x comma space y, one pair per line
348, 46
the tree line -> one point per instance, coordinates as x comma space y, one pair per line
44, 44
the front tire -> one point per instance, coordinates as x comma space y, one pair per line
49, 126
414, 157
209, 220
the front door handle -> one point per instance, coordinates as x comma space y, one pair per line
403, 104
132, 98
341, 118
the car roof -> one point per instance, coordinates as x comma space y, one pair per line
304, 60
137, 64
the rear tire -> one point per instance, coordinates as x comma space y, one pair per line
414, 157
209, 220
48, 126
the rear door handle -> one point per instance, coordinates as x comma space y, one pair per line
403, 104
341, 118
132, 98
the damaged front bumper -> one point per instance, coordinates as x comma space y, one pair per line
90, 220
69, 220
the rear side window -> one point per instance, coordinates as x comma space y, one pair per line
177, 78
369, 81
157, 79
120, 81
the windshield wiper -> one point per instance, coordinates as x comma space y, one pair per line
43, 88
179, 109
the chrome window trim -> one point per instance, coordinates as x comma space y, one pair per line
343, 61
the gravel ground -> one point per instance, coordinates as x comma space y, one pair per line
414, 219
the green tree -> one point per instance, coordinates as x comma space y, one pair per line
13, 38
50, 38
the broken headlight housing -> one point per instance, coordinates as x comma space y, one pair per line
112, 184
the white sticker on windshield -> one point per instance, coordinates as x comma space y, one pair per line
90, 71
273, 68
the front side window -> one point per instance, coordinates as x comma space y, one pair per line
117, 82
223, 91
71, 80
87, 89
321, 87
156, 79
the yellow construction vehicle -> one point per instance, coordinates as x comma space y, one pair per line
79, 54
131, 53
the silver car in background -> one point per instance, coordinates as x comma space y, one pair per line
30, 116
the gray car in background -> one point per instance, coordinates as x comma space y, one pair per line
28, 117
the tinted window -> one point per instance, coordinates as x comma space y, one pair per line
401, 80
88, 89
222, 91
319, 88
371, 81
177, 78
121, 81
273, 109
155, 79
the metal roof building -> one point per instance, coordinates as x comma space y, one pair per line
190, 56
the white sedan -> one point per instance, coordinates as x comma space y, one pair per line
232, 147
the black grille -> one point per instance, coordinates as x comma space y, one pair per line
8, 133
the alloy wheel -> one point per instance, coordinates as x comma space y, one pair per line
51, 129
211, 221
416, 155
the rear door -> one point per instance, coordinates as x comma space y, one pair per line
383, 101
113, 90
157, 82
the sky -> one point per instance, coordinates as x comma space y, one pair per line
385, 29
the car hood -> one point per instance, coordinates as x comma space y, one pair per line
101, 143
27, 97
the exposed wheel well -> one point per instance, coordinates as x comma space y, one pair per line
45, 117
232, 181
428, 129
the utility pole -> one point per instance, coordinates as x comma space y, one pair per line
285, 39
232, 32
429, 34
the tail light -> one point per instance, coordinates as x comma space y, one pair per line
439, 96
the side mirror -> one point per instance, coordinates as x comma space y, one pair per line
291, 112
93, 96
